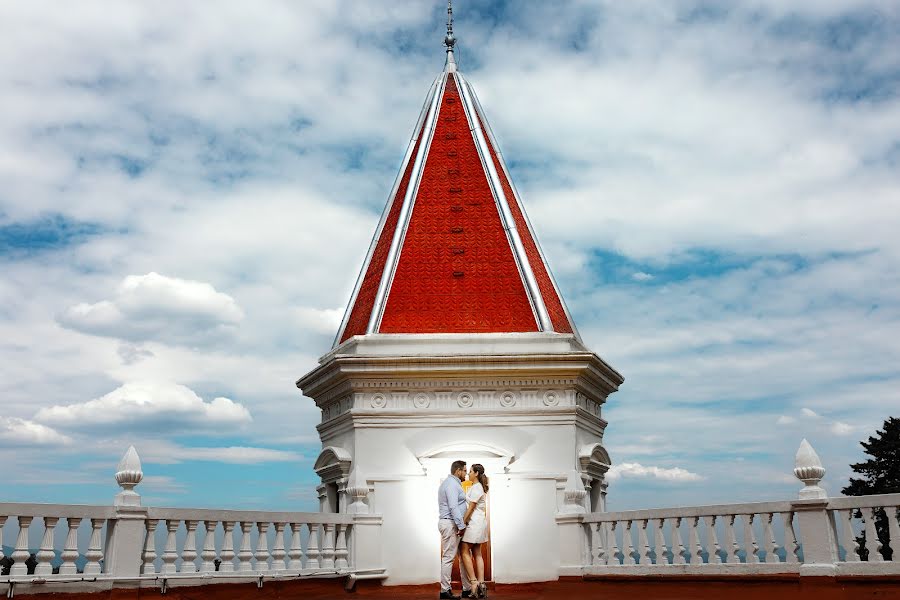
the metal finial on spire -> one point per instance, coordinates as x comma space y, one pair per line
449, 40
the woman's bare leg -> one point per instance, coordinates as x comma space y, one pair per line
466, 555
479, 562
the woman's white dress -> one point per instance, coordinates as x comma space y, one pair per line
476, 530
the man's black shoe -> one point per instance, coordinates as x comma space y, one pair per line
448, 595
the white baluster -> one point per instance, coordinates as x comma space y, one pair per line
340, 549
770, 541
695, 549
751, 548
278, 552
262, 547
208, 554
612, 557
644, 542
296, 552
893, 531
70, 551
712, 541
328, 547
628, 544
791, 547
95, 551
227, 554
873, 544
189, 551
2, 523
660, 537
245, 554
312, 547
148, 556
170, 554
731, 545
46, 553
677, 544
598, 552
20, 553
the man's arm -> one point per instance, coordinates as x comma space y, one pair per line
452, 502
469, 512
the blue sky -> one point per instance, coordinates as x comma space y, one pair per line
187, 194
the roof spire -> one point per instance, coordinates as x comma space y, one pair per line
449, 40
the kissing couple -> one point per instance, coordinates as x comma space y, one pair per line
463, 525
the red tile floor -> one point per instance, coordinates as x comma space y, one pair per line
650, 588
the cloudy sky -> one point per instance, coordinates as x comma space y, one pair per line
187, 192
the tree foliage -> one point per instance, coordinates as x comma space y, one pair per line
880, 474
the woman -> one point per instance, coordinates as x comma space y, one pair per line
476, 530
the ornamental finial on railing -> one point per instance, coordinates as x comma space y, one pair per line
128, 475
808, 469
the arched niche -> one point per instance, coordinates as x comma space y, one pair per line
436, 461
593, 463
333, 467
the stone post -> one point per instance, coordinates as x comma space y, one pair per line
820, 552
126, 532
573, 540
365, 533
357, 489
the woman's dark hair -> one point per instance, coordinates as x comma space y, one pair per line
482, 478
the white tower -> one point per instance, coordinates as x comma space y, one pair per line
457, 345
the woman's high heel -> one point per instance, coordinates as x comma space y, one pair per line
482, 590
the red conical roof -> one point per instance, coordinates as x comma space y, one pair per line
454, 252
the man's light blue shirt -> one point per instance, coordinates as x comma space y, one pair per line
452, 501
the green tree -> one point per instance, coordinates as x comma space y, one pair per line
880, 474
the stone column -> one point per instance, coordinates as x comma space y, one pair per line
126, 532
820, 552
573, 540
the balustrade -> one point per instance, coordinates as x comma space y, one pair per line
697, 526
868, 530
329, 555
759, 537
317, 543
45, 520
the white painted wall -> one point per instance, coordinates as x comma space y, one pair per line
404, 407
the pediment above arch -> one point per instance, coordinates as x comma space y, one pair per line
333, 464
594, 460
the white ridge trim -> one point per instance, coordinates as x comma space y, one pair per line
409, 198
518, 199
506, 216
384, 214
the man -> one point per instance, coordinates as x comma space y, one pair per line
451, 508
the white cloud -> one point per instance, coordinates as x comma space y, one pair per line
161, 452
637, 470
322, 321
154, 307
161, 483
785, 420
841, 428
641, 276
15, 431
835, 427
146, 405
242, 455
